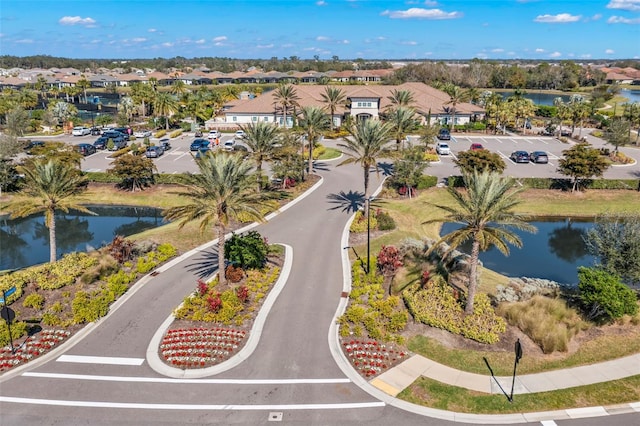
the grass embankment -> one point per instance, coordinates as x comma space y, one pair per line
434, 394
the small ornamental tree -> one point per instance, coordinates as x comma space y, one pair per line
582, 162
134, 170
604, 296
248, 250
481, 160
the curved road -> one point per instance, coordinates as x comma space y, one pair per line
291, 377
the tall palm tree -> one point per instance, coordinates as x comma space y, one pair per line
50, 185
365, 146
456, 96
223, 190
83, 84
402, 121
334, 98
314, 121
164, 105
179, 87
262, 139
484, 210
401, 98
286, 96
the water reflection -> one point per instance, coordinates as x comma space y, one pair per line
25, 241
553, 253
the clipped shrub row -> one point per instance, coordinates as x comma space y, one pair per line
563, 184
378, 219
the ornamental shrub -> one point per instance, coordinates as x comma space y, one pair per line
604, 296
248, 250
359, 223
18, 329
90, 306
385, 221
234, 273
34, 300
388, 260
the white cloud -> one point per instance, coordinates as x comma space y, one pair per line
621, 20
555, 55
586, 56
632, 5
24, 41
220, 38
167, 44
322, 38
430, 3
152, 30
609, 51
343, 42
497, 50
539, 50
76, 20
419, 13
264, 46
321, 3
138, 39
560, 18
409, 43
201, 41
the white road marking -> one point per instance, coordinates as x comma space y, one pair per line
222, 407
183, 381
548, 423
100, 360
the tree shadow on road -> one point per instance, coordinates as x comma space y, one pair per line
320, 166
206, 264
348, 202
386, 168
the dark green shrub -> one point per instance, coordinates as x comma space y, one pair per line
248, 250
603, 294
385, 221
427, 181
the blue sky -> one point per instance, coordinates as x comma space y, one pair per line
348, 29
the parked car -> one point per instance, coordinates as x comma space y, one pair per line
154, 151
198, 144
229, 145
519, 156
476, 146
117, 144
540, 157
95, 131
80, 131
444, 135
142, 134
114, 136
124, 131
198, 133
31, 145
101, 142
214, 134
85, 149
239, 134
442, 148
165, 144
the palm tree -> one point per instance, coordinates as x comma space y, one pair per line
286, 96
365, 146
401, 98
49, 186
262, 139
485, 212
314, 121
456, 96
84, 84
223, 190
164, 105
334, 98
402, 121
179, 87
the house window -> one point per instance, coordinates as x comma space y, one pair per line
234, 118
254, 118
266, 119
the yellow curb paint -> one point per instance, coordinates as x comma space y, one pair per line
384, 387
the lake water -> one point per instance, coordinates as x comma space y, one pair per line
553, 253
537, 98
25, 242
632, 95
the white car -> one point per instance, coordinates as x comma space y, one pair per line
214, 134
442, 148
229, 145
142, 134
239, 134
81, 131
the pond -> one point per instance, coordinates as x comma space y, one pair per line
25, 242
553, 253
537, 98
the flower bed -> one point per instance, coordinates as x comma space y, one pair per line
200, 347
371, 358
32, 347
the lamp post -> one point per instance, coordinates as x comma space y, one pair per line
368, 208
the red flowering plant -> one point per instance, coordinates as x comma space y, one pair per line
371, 358
200, 347
32, 347
388, 260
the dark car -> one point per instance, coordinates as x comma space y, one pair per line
31, 145
101, 143
95, 131
444, 135
199, 144
540, 157
154, 151
476, 146
519, 156
125, 132
165, 144
114, 136
85, 149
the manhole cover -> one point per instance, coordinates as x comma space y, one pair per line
275, 417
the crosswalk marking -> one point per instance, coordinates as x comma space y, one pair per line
100, 360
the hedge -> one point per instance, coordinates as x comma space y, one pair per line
166, 179
564, 184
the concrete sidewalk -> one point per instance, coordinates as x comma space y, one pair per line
393, 381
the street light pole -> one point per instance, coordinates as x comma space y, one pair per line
368, 204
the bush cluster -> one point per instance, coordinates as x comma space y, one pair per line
160, 133
604, 296
18, 329
176, 133
248, 250
437, 305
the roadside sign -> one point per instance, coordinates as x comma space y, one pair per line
7, 293
7, 314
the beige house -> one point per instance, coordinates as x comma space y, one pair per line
362, 102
